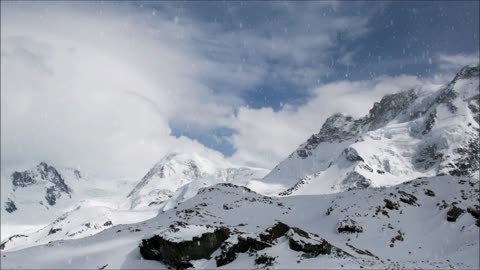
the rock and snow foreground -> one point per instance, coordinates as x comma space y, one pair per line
425, 223
343, 199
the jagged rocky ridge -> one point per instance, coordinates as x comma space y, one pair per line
419, 132
44, 175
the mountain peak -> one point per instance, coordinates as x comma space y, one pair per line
468, 72
418, 132
44, 176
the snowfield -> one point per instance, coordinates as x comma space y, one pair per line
415, 232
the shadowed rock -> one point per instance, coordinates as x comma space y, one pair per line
349, 226
10, 206
179, 254
454, 213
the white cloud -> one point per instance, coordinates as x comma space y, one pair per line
98, 91
453, 62
98, 84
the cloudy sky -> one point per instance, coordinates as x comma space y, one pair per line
111, 87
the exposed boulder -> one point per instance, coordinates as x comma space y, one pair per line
54, 230
454, 213
276, 231
390, 205
430, 193
474, 211
408, 198
349, 226
10, 206
311, 244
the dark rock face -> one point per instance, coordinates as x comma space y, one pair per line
468, 72
354, 180
22, 179
265, 260
389, 107
276, 231
469, 161
352, 155
398, 237
390, 205
408, 198
107, 223
430, 193
311, 244
54, 230
349, 226
430, 122
454, 213
10, 206
229, 251
474, 211
427, 157
42, 173
337, 128
303, 181
179, 254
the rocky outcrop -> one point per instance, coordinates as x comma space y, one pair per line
230, 249
388, 108
454, 213
311, 244
10, 239
355, 180
337, 128
46, 175
10, 206
179, 254
276, 231
349, 226
468, 161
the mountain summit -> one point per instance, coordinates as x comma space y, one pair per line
419, 132
179, 169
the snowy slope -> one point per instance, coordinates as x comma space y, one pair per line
35, 197
409, 225
176, 171
419, 132
91, 208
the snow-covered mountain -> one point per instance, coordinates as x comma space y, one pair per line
37, 196
90, 209
397, 188
425, 223
188, 171
419, 132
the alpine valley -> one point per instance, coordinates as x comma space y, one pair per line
397, 188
